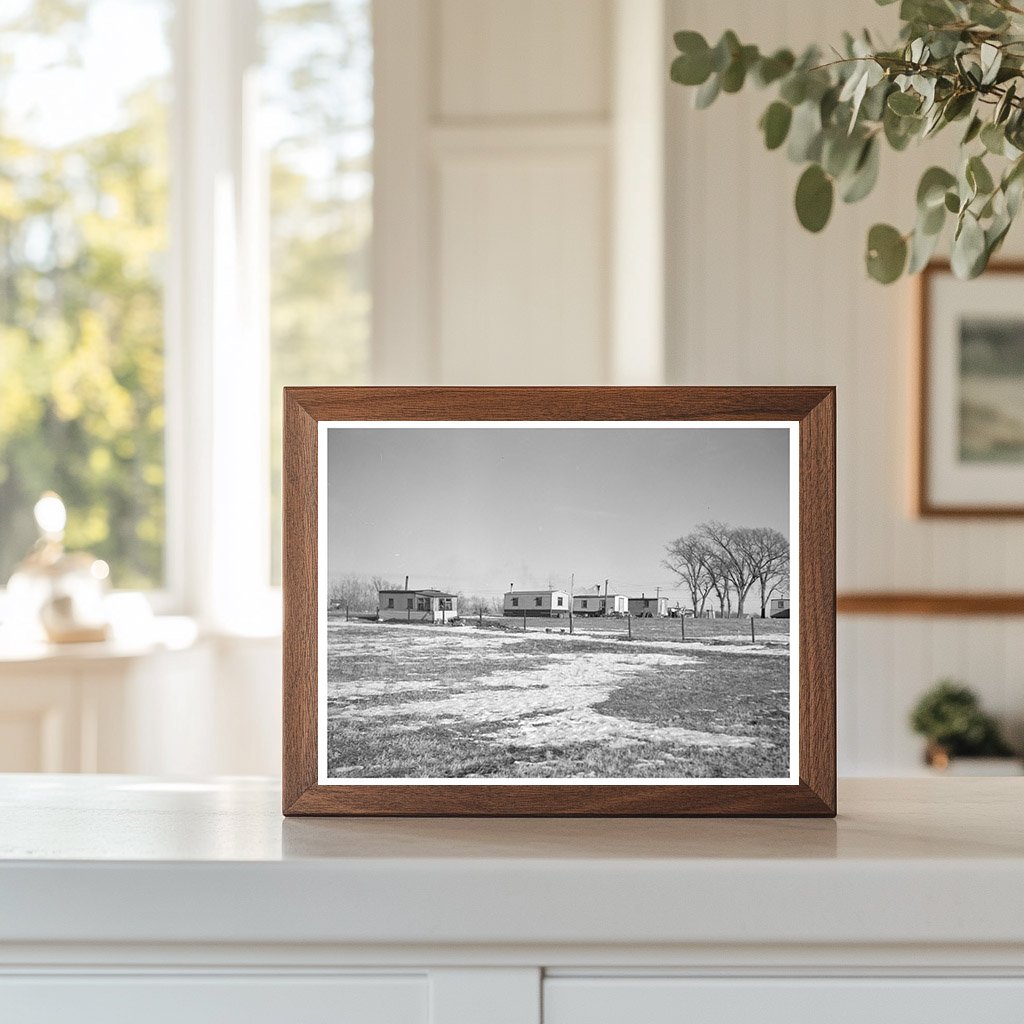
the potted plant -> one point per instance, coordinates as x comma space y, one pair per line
956, 62
950, 717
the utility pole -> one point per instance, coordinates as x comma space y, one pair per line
605, 606
572, 588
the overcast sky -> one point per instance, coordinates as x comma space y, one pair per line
473, 510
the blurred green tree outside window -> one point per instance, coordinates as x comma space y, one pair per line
84, 210
83, 237
317, 118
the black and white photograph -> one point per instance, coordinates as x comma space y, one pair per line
561, 602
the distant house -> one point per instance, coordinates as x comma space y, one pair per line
645, 607
551, 604
417, 605
777, 606
599, 604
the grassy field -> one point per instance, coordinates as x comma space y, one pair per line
494, 702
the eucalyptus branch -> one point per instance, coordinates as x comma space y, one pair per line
954, 60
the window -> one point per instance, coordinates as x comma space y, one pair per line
538, 601
391, 602
422, 604
408, 603
583, 603
559, 602
263, 282
446, 604
317, 121
83, 239
515, 602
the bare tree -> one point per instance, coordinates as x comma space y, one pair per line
688, 558
768, 551
476, 604
732, 548
357, 593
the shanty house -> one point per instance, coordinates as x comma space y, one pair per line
551, 604
599, 604
645, 607
417, 605
779, 606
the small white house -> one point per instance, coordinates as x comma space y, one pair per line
778, 605
552, 604
599, 604
417, 605
645, 607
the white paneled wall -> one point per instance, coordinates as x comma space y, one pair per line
503, 130
753, 299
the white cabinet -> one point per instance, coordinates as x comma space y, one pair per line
133, 899
624, 1000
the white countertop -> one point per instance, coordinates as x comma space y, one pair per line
121, 859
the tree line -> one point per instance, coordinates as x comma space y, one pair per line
721, 563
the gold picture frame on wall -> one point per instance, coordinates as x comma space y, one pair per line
970, 379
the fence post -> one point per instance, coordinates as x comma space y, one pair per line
524, 622
682, 625
346, 613
752, 629
629, 625
481, 612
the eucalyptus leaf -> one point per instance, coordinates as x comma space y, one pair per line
931, 190
805, 133
735, 74
775, 124
794, 88
973, 130
922, 247
1005, 105
865, 173
886, 253
771, 69
993, 138
707, 93
968, 248
987, 15
978, 176
904, 103
724, 51
814, 196
991, 61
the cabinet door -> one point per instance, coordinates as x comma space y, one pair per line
202, 999
783, 1001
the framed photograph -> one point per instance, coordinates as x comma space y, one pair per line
970, 450
559, 601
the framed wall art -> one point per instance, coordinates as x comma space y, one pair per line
559, 601
970, 444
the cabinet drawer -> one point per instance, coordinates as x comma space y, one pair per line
202, 999
782, 1001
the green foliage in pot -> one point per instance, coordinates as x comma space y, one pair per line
950, 717
957, 62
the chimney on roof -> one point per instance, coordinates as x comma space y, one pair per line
406, 582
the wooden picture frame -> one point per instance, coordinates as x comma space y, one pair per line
941, 488
809, 415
